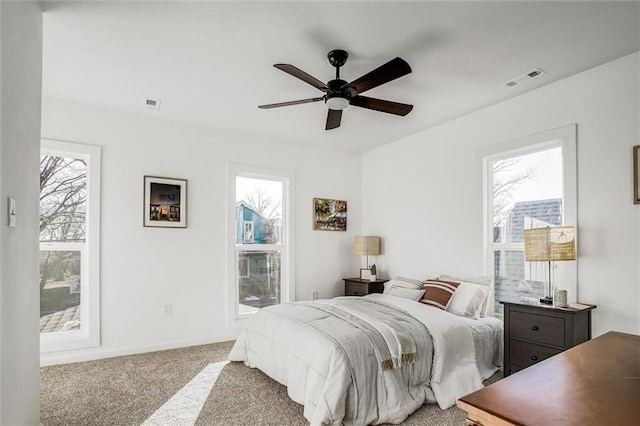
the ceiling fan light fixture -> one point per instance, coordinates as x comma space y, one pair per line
337, 102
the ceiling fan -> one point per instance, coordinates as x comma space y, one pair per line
339, 94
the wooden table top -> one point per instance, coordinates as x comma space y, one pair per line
594, 383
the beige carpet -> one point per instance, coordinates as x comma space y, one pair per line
120, 391
132, 390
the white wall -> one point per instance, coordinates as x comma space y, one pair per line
20, 77
142, 268
423, 194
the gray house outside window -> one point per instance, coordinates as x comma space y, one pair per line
509, 265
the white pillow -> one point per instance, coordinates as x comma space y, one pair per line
468, 300
475, 280
407, 293
402, 282
485, 281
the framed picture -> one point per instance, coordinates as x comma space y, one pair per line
365, 274
636, 174
329, 215
165, 202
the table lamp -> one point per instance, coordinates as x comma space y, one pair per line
365, 245
550, 244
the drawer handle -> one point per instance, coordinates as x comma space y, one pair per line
534, 358
534, 327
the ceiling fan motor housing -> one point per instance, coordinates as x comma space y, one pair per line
336, 98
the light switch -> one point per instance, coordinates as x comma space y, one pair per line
12, 212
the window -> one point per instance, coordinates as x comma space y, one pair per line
260, 223
248, 232
529, 183
69, 246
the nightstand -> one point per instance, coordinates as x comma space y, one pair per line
534, 331
358, 287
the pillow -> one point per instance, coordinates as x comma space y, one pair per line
485, 281
438, 293
469, 300
407, 293
475, 280
402, 282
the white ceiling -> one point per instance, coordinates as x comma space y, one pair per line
210, 63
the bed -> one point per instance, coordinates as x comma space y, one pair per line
370, 360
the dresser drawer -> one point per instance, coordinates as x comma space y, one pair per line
355, 289
537, 328
525, 354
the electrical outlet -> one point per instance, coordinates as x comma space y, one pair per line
166, 309
314, 295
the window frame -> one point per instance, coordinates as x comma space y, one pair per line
236, 319
563, 137
88, 336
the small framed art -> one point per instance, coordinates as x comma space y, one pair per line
165, 202
636, 174
365, 274
329, 215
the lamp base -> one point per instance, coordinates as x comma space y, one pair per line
546, 300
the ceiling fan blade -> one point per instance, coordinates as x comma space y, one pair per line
281, 104
381, 105
393, 69
298, 73
334, 116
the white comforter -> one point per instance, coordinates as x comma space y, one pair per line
334, 368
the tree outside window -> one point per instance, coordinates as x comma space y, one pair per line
63, 210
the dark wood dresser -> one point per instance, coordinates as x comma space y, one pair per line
358, 287
535, 331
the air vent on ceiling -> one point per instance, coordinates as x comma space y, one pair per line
153, 104
536, 72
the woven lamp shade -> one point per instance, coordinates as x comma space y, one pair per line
366, 245
549, 244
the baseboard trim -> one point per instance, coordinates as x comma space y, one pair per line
66, 357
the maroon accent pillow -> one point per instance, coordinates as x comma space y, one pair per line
438, 293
